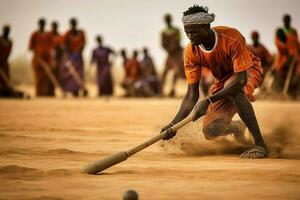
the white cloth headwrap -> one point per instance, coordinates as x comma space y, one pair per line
198, 18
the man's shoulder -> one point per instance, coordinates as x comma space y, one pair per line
191, 51
228, 33
188, 48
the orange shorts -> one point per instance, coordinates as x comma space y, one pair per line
225, 109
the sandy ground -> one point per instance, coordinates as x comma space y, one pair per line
45, 142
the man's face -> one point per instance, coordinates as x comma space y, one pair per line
73, 23
197, 33
6, 31
168, 19
99, 40
287, 21
54, 27
42, 24
255, 37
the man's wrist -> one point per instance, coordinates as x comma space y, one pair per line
208, 100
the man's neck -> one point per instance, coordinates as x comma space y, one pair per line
210, 41
256, 43
170, 26
287, 29
5, 37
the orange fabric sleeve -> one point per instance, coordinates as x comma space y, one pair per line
31, 42
240, 55
281, 46
191, 68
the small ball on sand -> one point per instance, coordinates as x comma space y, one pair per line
130, 195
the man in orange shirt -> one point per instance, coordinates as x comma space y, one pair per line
74, 41
41, 44
237, 71
56, 51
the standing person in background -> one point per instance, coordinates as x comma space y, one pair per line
287, 57
56, 52
41, 44
260, 51
170, 41
74, 41
100, 56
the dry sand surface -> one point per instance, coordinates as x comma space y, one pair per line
45, 142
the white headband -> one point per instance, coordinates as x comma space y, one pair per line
198, 18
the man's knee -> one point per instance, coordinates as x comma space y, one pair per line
214, 129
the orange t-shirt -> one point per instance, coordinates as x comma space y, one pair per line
229, 55
293, 42
41, 43
57, 40
74, 43
290, 48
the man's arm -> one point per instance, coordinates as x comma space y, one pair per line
238, 81
186, 107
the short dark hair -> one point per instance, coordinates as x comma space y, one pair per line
195, 9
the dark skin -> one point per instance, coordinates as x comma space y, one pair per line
42, 24
73, 23
5, 33
287, 22
54, 27
255, 39
168, 21
99, 41
203, 35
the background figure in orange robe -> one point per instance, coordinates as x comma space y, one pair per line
74, 41
170, 40
6, 88
260, 51
56, 51
133, 70
101, 56
287, 57
41, 44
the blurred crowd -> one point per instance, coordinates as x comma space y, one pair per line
58, 63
